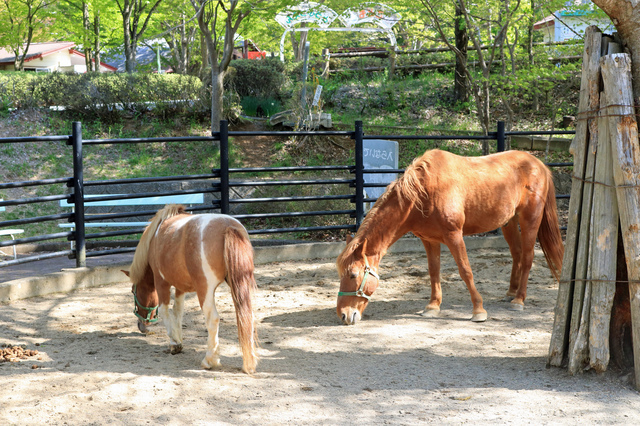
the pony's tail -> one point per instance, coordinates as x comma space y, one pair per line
238, 259
141, 256
549, 232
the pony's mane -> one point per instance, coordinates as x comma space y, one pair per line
141, 256
408, 189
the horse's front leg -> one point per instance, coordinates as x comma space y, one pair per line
433, 259
458, 249
172, 320
178, 314
212, 321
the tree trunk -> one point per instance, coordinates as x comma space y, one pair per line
460, 84
86, 26
96, 40
217, 94
129, 47
298, 46
625, 15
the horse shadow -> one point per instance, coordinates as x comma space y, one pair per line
343, 365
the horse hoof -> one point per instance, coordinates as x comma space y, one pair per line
175, 349
431, 313
248, 369
479, 317
142, 327
208, 365
515, 306
508, 298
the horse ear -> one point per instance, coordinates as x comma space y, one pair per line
349, 238
361, 249
125, 272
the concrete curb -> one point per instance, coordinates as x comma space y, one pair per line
80, 278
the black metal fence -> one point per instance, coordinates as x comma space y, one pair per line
218, 181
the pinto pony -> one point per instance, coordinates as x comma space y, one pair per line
440, 198
195, 253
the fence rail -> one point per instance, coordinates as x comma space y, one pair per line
215, 182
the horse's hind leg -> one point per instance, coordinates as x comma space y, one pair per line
529, 229
511, 234
433, 258
212, 321
458, 249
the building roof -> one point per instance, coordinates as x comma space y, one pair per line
40, 50
36, 50
544, 23
102, 64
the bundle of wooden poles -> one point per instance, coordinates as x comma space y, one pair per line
605, 200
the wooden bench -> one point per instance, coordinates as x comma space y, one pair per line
93, 200
10, 232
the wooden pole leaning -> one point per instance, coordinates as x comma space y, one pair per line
623, 132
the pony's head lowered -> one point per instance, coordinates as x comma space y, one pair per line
358, 280
141, 276
358, 263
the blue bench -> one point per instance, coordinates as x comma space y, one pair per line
93, 200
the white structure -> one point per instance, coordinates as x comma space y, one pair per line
50, 57
382, 17
570, 23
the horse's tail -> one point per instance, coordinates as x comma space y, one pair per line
141, 256
549, 232
238, 259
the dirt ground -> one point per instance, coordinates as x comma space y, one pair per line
394, 367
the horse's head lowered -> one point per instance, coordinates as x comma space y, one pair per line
358, 280
145, 299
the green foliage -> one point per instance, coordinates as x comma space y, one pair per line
257, 107
104, 96
258, 78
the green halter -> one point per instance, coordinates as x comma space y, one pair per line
360, 291
150, 310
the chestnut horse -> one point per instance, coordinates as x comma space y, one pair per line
440, 198
195, 253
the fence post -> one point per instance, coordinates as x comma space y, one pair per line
500, 136
78, 195
359, 174
224, 167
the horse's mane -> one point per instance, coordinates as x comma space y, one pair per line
141, 256
408, 189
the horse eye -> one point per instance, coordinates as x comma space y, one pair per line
354, 275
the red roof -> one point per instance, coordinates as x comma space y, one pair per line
544, 23
36, 50
102, 64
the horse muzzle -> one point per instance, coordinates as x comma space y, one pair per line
349, 315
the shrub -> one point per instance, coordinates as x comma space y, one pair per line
262, 79
104, 96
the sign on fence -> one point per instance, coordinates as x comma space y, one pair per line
379, 154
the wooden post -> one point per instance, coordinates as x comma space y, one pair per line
623, 131
326, 55
604, 248
581, 306
560, 333
392, 62
579, 320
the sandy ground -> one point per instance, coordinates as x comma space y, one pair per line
394, 367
